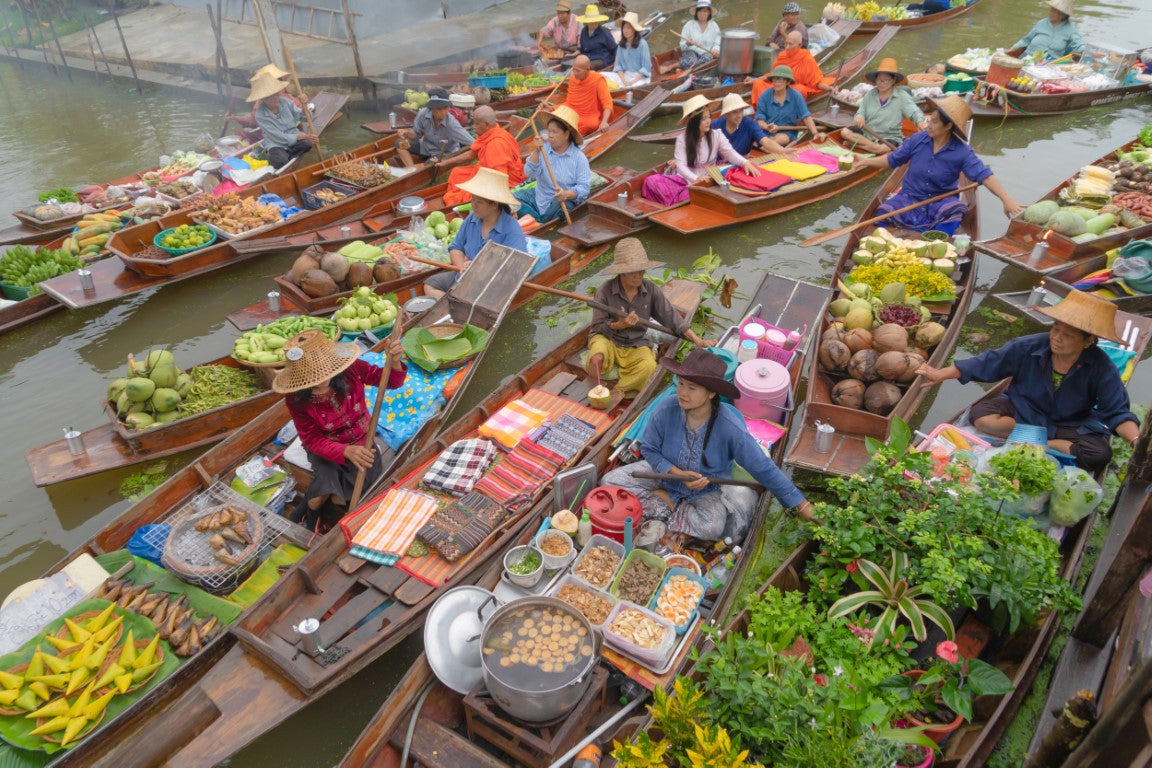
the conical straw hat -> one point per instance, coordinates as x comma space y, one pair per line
264, 86
312, 359
269, 69
566, 115
733, 102
491, 185
1064, 6
957, 111
630, 257
632, 19
1087, 313
693, 105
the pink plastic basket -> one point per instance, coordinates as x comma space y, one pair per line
764, 349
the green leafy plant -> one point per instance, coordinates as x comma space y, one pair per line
643, 753
1028, 465
677, 714
139, 484
714, 749
955, 680
895, 597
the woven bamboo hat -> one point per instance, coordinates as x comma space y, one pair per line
956, 110
692, 106
1087, 313
592, 15
632, 19
491, 185
887, 66
732, 102
264, 86
704, 368
630, 257
312, 359
567, 117
269, 69
1064, 6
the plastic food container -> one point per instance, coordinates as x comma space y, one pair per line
579, 583
654, 658
649, 559
553, 562
599, 540
681, 627
677, 560
764, 386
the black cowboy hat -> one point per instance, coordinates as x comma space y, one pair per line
703, 368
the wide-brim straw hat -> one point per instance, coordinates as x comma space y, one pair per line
563, 5
632, 19
732, 102
1087, 313
264, 86
491, 185
1064, 6
592, 14
269, 69
957, 111
312, 359
782, 70
887, 66
692, 106
630, 257
568, 117
703, 368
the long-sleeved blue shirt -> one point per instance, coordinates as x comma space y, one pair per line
747, 134
1052, 41
638, 59
932, 173
572, 173
600, 45
1091, 396
730, 443
279, 128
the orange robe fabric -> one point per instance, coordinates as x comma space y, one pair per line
495, 149
589, 97
804, 69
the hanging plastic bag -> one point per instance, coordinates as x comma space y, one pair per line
1075, 496
1034, 495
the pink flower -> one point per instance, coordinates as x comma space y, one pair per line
819, 679
852, 567
948, 651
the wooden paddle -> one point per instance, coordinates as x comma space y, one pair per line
307, 112
711, 480
543, 103
393, 364
694, 45
565, 294
552, 176
818, 239
877, 136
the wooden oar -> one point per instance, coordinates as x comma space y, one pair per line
397, 332
544, 102
552, 176
694, 45
853, 227
565, 294
300, 91
712, 480
877, 136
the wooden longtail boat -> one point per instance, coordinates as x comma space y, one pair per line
25, 311
869, 27
607, 219
991, 100
848, 452
711, 206
843, 72
1058, 284
1017, 244
260, 676
439, 738
482, 297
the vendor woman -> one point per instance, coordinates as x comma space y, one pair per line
883, 111
1061, 380
562, 175
696, 437
935, 160
1054, 36
323, 383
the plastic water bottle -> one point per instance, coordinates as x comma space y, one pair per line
584, 530
719, 574
589, 757
286, 434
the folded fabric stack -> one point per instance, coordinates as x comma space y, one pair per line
521, 473
462, 526
816, 157
566, 436
795, 170
460, 465
512, 422
390, 530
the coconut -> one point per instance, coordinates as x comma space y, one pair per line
863, 365
889, 337
359, 274
165, 399
834, 332
164, 374
944, 266
858, 317
123, 404
599, 397
839, 308
317, 283
139, 389
566, 521
385, 270
183, 384
893, 293
876, 245
139, 421
863, 256
303, 263
929, 335
167, 416
881, 397
861, 290
849, 393
892, 366
834, 356
336, 265
915, 360
116, 388
858, 339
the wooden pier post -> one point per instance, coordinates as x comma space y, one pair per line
124, 44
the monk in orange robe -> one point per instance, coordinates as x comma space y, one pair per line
588, 95
809, 79
494, 148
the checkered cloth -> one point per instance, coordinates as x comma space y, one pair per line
512, 422
392, 527
462, 526
460, 466
567, 436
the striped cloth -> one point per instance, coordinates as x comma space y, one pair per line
393, 526
512, 422
521, 473
566, 436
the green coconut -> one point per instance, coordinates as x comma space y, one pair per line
139, 389
139, 421
838, 308
164, 374
115, 389
165, 399
893, 293
875, 245
938, 249
158, 356
164, 418
863, 256
123, 404
861, 290
183, 384
858, 317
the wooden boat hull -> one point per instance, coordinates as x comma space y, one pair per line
712, 206
1016, 245
1058, 284
993, 101
607, 220
848, 452
871, 27
26, 311
780, 301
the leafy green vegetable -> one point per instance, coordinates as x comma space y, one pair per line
62, 195
1145, 136
1028, 465
139, 484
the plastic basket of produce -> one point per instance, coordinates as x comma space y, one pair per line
488, 81
1029, 433
326, 193
678, 597
638, 577
195, 237
925, 80
15, 292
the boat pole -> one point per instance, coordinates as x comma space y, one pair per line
124, 45
551, 175
300, 91
818, 239
393, 364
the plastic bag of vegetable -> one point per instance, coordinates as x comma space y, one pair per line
1075, 495
1030, 469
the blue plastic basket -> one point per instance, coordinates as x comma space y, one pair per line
1029, 433
159, 239
489, 81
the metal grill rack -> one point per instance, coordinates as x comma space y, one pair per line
194, 547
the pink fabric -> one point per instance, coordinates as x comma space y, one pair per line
767, 181
666, 190
816, 157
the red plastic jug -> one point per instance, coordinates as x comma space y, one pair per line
608, 506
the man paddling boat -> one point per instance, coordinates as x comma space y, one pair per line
280, 120
436, 132
560, 37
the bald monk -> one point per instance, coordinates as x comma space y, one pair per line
809, 79
588, 96
494, 148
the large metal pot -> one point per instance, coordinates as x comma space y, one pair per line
547, 703
737, 52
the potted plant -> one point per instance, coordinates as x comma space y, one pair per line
895, 597
915, 756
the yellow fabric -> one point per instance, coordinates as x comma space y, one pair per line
795, 170
637, 364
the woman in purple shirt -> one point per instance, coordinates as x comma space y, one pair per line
935, 160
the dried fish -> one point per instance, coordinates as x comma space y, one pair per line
226, 516
231, 535
216, 542
241, 529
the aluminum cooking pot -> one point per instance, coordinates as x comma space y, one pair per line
549, 703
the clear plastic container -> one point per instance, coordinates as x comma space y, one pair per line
599, 540
681, 627
656, 657
654, 561
581, 584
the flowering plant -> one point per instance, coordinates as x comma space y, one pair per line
955, 680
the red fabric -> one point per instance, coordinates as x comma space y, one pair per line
495, 149
589, 97
327, 425
767, 181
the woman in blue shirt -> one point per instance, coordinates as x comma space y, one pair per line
568, 163
491, 219
1061, 380
633, 59
694, 436
1054, 36
742, 131
935, 158
596, 42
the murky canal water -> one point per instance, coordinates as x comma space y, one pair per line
53, 372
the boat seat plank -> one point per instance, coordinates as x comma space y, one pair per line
594, 229
335, 627
384, 578
847, 451
297, 534
333, 584
433, 744
558, 383
413, 591
394, 616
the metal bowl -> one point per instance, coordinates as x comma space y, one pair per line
514, 555
410, 204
